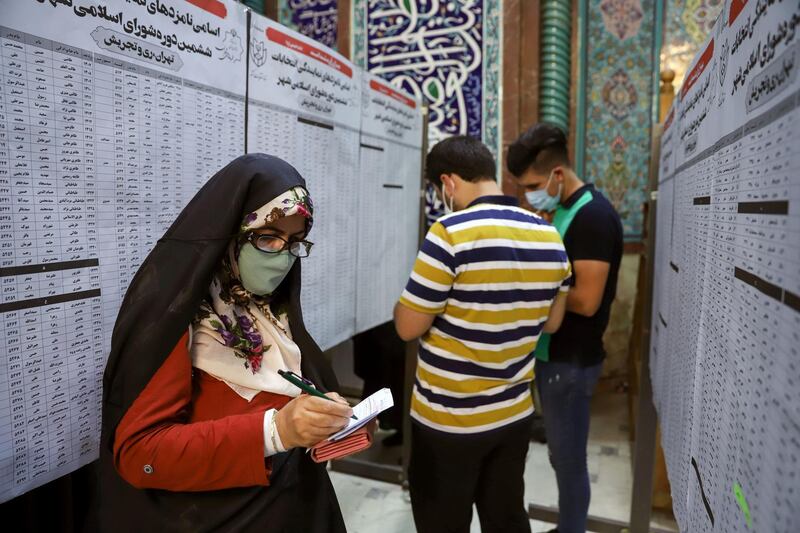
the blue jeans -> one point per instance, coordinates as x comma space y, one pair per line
566, 391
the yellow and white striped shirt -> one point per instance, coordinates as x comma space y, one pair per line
490, 273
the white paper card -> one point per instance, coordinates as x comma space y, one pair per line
365, 411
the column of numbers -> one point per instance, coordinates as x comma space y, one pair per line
132, 182
7, 285
19, 175
44, 149
147, 160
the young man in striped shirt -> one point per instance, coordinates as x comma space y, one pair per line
489, 279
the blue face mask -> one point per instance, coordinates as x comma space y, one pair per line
261, 273
541, 201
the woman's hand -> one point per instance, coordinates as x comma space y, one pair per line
307, 420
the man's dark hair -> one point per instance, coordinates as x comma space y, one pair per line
543, 147
462, 155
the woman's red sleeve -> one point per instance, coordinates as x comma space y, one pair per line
156, 447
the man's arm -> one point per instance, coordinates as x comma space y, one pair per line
411, 324
557, 311
590, 283
594, 237
428, 287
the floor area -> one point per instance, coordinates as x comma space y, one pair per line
376, 507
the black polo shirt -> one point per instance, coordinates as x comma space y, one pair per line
595, 233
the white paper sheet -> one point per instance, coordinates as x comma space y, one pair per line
112, 115
389, 199
312, 122
724, 356
366, 411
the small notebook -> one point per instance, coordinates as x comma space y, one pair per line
355, 437
358, 441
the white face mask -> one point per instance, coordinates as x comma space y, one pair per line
448, 206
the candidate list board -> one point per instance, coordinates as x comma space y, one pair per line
107, 130
303, 108
389, 202
112, 115
725, 360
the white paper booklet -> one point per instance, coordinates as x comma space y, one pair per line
365, 411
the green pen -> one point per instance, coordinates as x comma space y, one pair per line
305, 385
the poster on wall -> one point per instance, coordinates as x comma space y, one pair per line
389, 201
726, 304
112, 115
304, 107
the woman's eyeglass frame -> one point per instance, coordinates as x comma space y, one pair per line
254, 237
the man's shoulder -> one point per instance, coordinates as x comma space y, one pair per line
598, 210
596, 226
491, 213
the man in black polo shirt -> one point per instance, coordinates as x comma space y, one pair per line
570, 361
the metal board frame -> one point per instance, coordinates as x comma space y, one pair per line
597, 524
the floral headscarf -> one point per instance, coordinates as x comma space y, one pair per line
239, 337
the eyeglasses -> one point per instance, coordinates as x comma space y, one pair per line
272, 244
